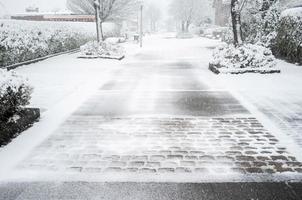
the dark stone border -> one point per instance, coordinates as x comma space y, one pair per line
10, 130
216, 70
102, 57
14, 66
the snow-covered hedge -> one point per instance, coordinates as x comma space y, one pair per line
25, 40
15, 93
289, 38
94, 49
244, 58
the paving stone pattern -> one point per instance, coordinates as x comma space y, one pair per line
94, 144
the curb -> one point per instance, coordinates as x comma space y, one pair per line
102, 57
216, 70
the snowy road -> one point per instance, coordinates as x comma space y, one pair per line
150, 191
159, 115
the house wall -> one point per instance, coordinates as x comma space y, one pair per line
54, 17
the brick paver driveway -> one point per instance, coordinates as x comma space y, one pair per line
158, 118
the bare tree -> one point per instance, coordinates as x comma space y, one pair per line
188, 11
153, 14
183, 11
110, 10
204, 13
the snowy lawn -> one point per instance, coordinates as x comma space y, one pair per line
56, 78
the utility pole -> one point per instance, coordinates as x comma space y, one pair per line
97, 4
141, 27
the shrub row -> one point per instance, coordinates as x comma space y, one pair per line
22, 40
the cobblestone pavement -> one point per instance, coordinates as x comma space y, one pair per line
163, 145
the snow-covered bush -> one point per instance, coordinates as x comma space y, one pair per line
289, 38
25, 40
248, 56
260, 26
15, 93
228, 36
94, 49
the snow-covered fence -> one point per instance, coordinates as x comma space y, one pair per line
289, 39
24, 40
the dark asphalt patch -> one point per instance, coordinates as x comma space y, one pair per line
151, 191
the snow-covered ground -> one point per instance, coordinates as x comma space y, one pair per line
57, 78
63, 83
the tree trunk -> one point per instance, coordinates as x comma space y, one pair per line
183, 26
236, 22
154, 26
187, 26
97, 19
101, 31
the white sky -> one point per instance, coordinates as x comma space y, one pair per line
18, 6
